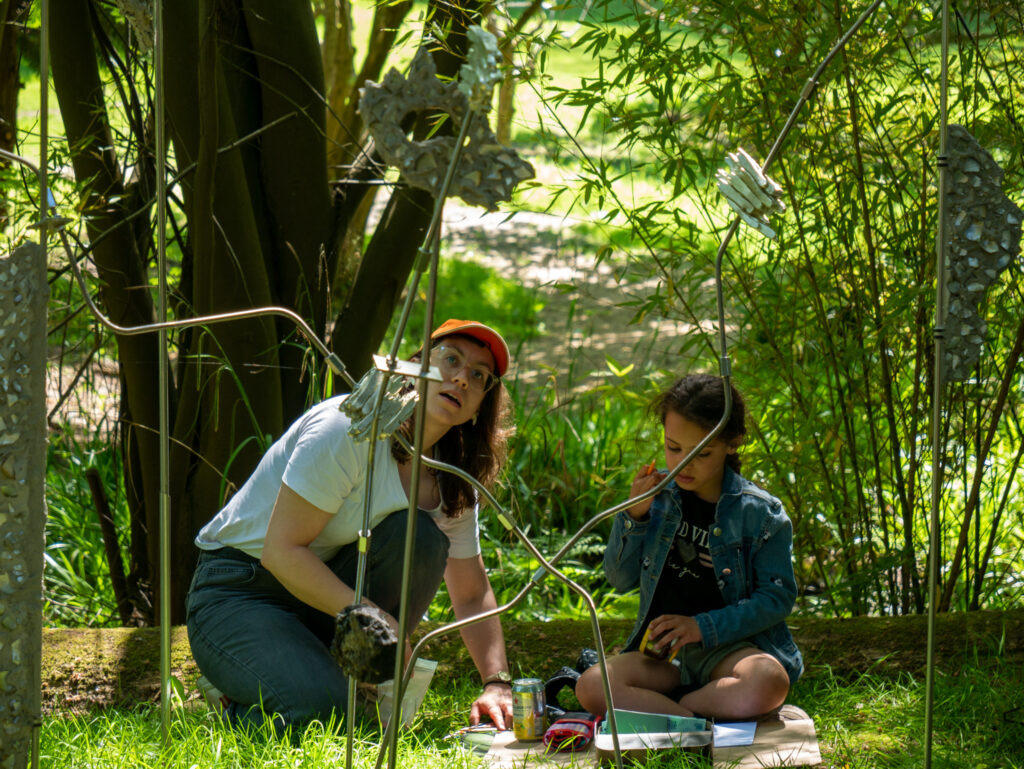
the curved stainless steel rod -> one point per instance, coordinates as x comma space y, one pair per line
429, 253
545, 566
812, 81
35, 169
201, 320
725, 371
725, 367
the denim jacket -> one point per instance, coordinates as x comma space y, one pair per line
751, 541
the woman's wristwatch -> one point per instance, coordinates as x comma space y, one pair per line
501, 677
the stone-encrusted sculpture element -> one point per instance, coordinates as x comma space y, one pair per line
396, 406
487, 171
364, 644
479, 75
984, 234
23, 296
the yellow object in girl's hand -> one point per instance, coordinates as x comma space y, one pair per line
647, 648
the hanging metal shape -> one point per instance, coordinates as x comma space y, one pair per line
487, 171
749, 192
984, 238
480, 73
398, 400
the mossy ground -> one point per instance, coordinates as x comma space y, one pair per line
84, 669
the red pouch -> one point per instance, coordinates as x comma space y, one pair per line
573, 731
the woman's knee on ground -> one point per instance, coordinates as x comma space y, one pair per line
298, 707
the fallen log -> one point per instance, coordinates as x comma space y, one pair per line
87, 668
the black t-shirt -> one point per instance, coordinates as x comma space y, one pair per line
688, 585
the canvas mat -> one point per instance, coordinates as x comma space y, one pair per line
787, 739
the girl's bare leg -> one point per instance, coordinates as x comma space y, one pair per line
745, 684
637, 683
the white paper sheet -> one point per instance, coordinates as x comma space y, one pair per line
422, 672
734, 734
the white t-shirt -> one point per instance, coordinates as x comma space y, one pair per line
318, 460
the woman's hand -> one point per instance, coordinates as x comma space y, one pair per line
673, 631
494, 702
645, 480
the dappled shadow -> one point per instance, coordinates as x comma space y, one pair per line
589, 308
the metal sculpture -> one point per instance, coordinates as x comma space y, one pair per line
984, 231
747, 188
749, 192
23, 297
487, 171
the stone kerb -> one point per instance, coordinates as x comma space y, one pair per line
23, 299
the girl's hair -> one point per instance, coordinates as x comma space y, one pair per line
700, 398
480, 449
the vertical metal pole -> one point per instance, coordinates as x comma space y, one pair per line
44, 214
397, 688
934, 540
161, 256
363, 546
431, 246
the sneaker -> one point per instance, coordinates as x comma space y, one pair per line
217, 700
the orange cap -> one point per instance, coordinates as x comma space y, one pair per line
483, 334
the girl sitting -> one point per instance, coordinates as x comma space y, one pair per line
712, 556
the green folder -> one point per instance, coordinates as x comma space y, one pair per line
636, 722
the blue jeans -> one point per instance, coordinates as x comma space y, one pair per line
269, 652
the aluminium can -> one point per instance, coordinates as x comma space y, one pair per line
528, 709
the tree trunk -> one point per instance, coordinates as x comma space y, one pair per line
385, 267
10, 83
382, 275
507, 89
117, 255
259, 218
338, 54
346, 126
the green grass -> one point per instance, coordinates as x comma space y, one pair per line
874, 721
76, 581
866, 721
471, 291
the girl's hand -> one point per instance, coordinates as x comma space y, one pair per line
674, 631
645, 480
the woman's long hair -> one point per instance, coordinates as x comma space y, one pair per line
480, 449
700, 398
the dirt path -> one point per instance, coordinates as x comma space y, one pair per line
579, 325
